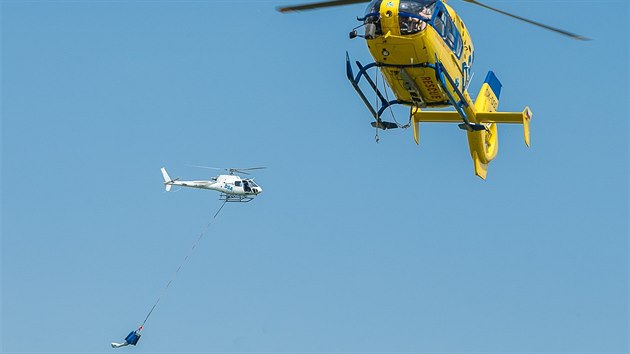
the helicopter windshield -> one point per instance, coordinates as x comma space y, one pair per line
252, 183
413, 15
373, 8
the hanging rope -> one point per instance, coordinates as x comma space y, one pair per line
203, 232
391, 111
376, 137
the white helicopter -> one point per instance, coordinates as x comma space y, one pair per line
232, 187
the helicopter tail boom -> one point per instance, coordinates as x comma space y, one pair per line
483, 143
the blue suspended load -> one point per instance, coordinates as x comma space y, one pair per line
132, 339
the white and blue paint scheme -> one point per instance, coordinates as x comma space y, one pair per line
232, 187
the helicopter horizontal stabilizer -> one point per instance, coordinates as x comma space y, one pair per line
510, 118
523, 117
436, 116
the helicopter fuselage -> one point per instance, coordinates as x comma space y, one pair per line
407, 43
425, 54
228, 184
233, 188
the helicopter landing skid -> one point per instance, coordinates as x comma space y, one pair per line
412, 88
384, 103
443, 77
231, 198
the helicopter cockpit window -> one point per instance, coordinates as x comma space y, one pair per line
413, 15
450, 33
372, 18
445, 27
438, 23
458, 46
252, 183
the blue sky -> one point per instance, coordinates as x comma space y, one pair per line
354, 246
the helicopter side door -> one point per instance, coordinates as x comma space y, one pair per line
240, 187
246, 187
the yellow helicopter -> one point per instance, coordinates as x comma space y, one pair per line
425, 54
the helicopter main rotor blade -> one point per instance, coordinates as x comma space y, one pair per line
208, 167
250, 168
242, 170
318, 5
557, 30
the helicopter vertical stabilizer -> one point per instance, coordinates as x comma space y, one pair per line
488, 98
484, 144
167, 179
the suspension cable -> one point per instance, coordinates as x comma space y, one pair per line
168, 284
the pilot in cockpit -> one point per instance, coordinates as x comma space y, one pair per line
422, 9
426, 12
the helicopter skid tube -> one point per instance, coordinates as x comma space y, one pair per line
384, 103
229, 198
442, 76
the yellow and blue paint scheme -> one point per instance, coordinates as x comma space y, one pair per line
425, 54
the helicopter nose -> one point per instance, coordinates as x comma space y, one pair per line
258, 190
